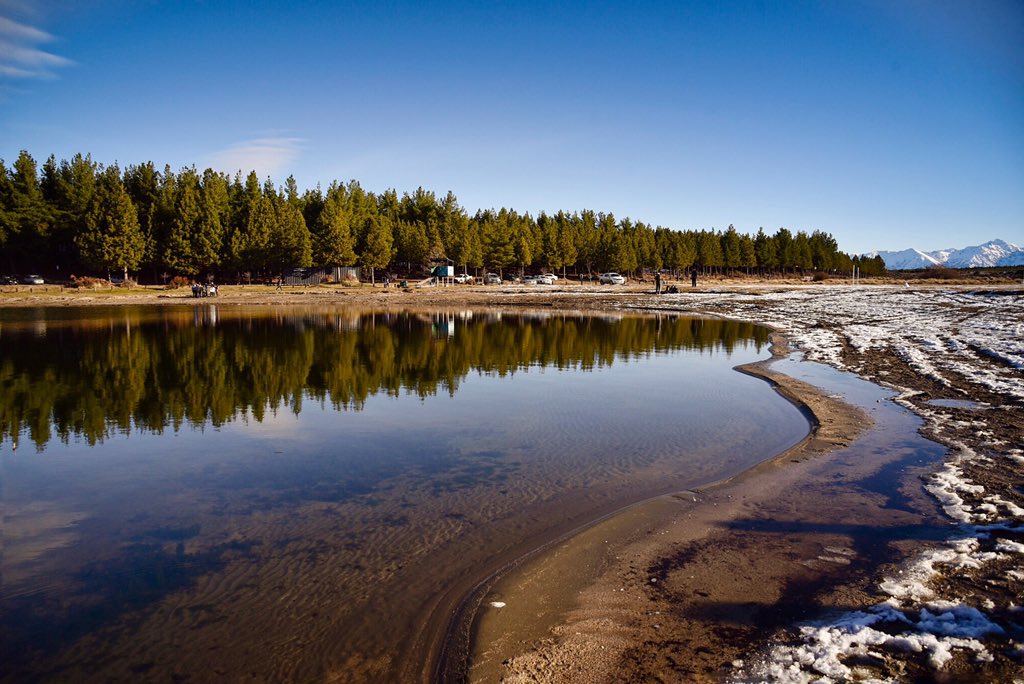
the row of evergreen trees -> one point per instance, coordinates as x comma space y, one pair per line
79, 216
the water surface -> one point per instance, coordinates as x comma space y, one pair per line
292, 494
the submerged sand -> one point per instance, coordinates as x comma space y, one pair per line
684, 585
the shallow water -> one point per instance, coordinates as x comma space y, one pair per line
292, 494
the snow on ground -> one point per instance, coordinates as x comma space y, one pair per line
971, 343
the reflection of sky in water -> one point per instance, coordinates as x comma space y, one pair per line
666, 405
496, 448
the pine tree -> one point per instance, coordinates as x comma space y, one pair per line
361, 205
824, 251
180, 254
497, 237
254, 218
764, 251
784, 249
290, 243
730, 248
451, 217
459, 238
75, 186
709, 250
312, 206
588, 242
549, 255
379, 245
333, 244
567, 240
208, 239
29, 217
648, 255
606, 251
802, 257
112, 239
164, 216
412, 245
748, 255
142, 183
8, 226
523, 241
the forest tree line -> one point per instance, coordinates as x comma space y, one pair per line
80, 217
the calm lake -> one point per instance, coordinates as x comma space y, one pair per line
304, 494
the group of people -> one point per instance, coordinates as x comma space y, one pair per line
672, 289
204, 290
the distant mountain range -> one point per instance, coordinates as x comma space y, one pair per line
992, 253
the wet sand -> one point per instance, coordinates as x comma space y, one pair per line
684, 585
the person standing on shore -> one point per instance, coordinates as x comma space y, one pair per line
693, 277
657, 282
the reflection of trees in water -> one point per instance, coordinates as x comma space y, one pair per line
147, 371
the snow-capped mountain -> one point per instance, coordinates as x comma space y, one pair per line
992, 253
905, 259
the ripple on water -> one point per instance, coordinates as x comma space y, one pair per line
318, 535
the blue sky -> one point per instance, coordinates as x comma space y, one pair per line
889, 124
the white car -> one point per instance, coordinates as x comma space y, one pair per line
33, 280
551, 276
611, 279
492, 279
462, 278
538, 280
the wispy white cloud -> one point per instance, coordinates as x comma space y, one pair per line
268, 156
9, 27
19, 56
29, 56
15, 72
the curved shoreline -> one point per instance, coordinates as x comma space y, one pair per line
552, 648
455, 658
450, 657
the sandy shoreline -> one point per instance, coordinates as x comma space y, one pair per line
602, 562
704, 579
683, 585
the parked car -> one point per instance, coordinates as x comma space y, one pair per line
612, 279
537, 280
492, 279
33, 280
8, 280
462, 278
551, 276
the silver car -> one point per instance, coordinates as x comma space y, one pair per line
611, 279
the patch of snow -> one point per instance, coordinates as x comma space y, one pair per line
959, 339
1009, 546
938, 631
